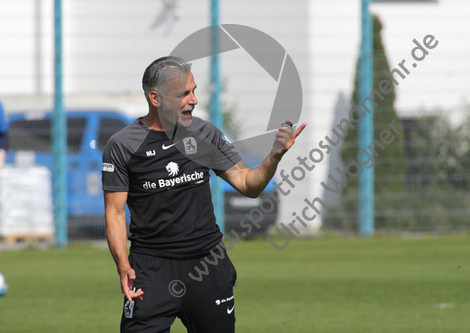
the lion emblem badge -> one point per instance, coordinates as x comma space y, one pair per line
172, 168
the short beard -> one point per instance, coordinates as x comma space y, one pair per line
170, 117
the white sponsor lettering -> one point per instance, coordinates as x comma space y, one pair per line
108, 167
149, 185
184, 178
196, 177
220, 301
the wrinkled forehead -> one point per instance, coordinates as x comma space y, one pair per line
178, 80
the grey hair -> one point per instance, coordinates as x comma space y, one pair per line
156, 74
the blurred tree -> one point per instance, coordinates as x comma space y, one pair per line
436, 195
390, 164
389, 168
421, 163
447, 147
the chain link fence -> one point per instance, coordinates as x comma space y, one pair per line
422, 178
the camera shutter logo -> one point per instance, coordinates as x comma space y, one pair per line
269, 54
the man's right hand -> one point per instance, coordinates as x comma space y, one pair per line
116, 233
127, 279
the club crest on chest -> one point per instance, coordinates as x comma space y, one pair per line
190, 145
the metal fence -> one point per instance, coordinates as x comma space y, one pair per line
421, 173
422, 178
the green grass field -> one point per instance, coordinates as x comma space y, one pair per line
381, 284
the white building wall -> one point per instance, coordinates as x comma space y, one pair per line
107, 45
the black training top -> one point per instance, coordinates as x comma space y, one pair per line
167, 181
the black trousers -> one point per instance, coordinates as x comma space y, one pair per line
198, 291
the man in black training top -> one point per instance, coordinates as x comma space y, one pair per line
159, 165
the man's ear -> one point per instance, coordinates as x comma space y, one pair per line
155, 98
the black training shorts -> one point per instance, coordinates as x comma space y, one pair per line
198, 291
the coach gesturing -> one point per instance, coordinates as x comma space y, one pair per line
159, 166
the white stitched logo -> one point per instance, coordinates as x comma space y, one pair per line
166, 147
172, 169
150, 152
229, 311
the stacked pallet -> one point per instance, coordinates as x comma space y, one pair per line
26, 210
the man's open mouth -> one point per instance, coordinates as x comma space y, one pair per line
187, 113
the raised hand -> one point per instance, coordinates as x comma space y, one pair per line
285, 138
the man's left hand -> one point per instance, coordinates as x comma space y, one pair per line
285, 138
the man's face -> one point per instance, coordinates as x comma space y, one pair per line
179, 100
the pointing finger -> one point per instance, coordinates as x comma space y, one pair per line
299, 130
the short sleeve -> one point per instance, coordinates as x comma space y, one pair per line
114, 174
226, 156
